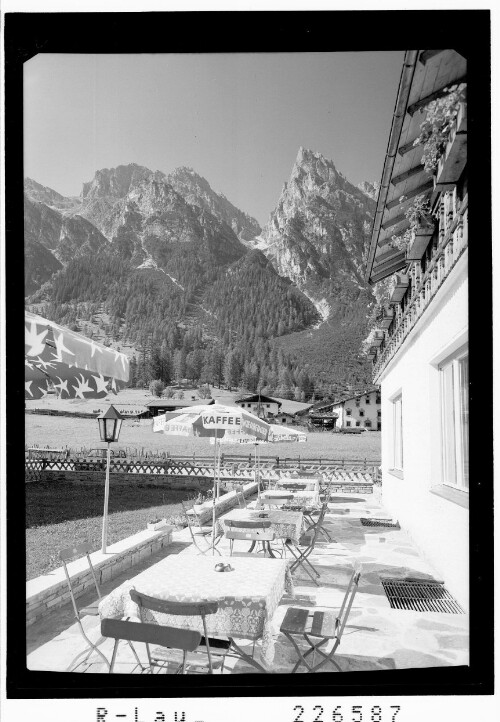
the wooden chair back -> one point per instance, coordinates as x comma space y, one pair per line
165, 606
185, 639
76, 552
345, 609
248, 524
294, 487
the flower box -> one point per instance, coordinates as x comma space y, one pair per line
402, 283
454, 158
387, 317
378, 337
420, 240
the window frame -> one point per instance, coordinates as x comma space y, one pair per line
397, 432
454, 433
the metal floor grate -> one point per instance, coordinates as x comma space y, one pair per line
379, 522
420, 596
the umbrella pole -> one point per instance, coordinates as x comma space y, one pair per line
106, 501
214, 488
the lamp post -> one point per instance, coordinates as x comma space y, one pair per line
110, 424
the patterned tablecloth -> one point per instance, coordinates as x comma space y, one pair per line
247, 596
285, 524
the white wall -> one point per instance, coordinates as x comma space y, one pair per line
439, 526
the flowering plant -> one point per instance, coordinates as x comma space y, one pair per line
416, 214
435, 129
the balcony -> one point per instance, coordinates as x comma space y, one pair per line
453, 241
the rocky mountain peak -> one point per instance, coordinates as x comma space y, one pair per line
116, 182
370, 188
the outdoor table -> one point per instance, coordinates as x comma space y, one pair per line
306, 498
310, 484
248, 597
284, 524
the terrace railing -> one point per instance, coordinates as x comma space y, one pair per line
230, 468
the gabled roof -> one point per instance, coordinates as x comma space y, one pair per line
256, 398
425, 75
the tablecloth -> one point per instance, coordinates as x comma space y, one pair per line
247, 596
285, 524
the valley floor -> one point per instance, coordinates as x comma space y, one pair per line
75, 433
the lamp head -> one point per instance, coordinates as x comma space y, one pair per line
110, 423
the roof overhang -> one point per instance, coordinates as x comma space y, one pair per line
425, 75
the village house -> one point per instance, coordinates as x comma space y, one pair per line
262, 406
162, 406
363, 410
420, 347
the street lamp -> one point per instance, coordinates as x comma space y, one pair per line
109, 428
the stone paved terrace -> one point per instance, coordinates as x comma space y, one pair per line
376, 636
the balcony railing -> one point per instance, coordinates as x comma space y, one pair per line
452, 242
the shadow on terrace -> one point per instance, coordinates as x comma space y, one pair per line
376, 636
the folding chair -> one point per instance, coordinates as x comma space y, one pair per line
241, 499
182, 639
200, 533
312, 523
69, 554
254, 531
206, 646
277, 500
302, 556
324, 626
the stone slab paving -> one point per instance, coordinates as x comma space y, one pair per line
376, 636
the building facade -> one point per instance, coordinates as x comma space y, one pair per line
262, 406
420, 348
360, 411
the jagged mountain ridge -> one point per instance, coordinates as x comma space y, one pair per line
178, 225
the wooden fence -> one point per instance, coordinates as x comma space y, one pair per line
230, 468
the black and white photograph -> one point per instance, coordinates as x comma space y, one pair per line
246, 375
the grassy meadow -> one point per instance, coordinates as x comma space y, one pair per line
75, 433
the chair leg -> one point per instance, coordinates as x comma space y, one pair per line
91, 645
113, 656
136, 656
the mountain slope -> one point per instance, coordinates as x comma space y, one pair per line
317, 236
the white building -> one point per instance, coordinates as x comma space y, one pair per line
420, 354
362, 411
262, 406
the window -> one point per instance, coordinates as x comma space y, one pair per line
367, 400
379, 426
397, 432
348, 412
368, 423
347, 423
357, 423
268, 405
379, 413
361, 412
455, 421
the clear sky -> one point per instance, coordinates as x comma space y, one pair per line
236, 119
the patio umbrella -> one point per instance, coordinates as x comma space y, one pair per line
216, 422
76, 366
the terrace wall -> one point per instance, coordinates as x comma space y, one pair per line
50, 591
